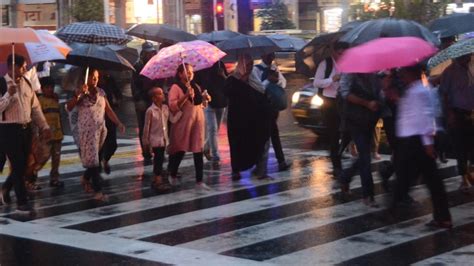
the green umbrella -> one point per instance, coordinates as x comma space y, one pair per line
443, 59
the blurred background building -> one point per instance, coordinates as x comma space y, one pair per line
195, 16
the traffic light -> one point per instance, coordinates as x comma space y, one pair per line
219, 9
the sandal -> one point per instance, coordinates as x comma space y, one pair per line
33, 186
465, 186
101, 197
56, 184
160, 186
86, 185
440, 224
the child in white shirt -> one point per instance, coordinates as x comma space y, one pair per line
155, 132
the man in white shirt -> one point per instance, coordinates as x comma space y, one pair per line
19, 106
415, 129
261, 71
326, 81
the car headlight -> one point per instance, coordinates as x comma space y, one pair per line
295, 98
316, 102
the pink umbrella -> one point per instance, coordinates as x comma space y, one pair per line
198, 53
385, 53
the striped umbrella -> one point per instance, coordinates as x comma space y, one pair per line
93, 32
438, 63
47, 48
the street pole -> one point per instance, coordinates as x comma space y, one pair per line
106, 11
214, 4
345, 12
1, 14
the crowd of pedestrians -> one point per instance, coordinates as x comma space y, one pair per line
175, 116
418, 115
184, 114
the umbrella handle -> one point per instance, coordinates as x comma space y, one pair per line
87, 76
13, 62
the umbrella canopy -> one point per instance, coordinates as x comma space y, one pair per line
287, 42
385, 53
93, 32
96, 56
438, 63
387, 27
47, 48
254, 46
126, 52
160, 33
199, 54
18, 35
452, 25
217, 36
319, 48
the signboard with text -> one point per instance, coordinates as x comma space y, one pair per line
40, 16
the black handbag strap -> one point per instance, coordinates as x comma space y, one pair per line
3, 90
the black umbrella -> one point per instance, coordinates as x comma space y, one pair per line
126, 52
217, 36
387, 27
161, 33
452, 25
96, 56
255, 46
319, 48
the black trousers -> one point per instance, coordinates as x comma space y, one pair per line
15, 143
158, 158
275, 137
411, 160
175, 161
462, 133
110, 143
3, 160
332, 120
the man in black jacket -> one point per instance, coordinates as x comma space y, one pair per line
213, 80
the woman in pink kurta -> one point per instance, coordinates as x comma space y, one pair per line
187, 134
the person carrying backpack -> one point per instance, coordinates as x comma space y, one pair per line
263, 70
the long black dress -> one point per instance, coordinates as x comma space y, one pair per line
248, 123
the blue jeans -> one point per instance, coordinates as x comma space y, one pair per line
214, 118
363, 140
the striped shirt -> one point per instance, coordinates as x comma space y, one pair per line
21, 107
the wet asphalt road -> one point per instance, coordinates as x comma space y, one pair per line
297, 218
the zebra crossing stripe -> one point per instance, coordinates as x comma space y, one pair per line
368, 242
124, 247
170, 224
279, 228
145, 204
460, 256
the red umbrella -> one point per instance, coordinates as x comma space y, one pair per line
385, 53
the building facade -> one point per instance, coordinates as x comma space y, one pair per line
39, 14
